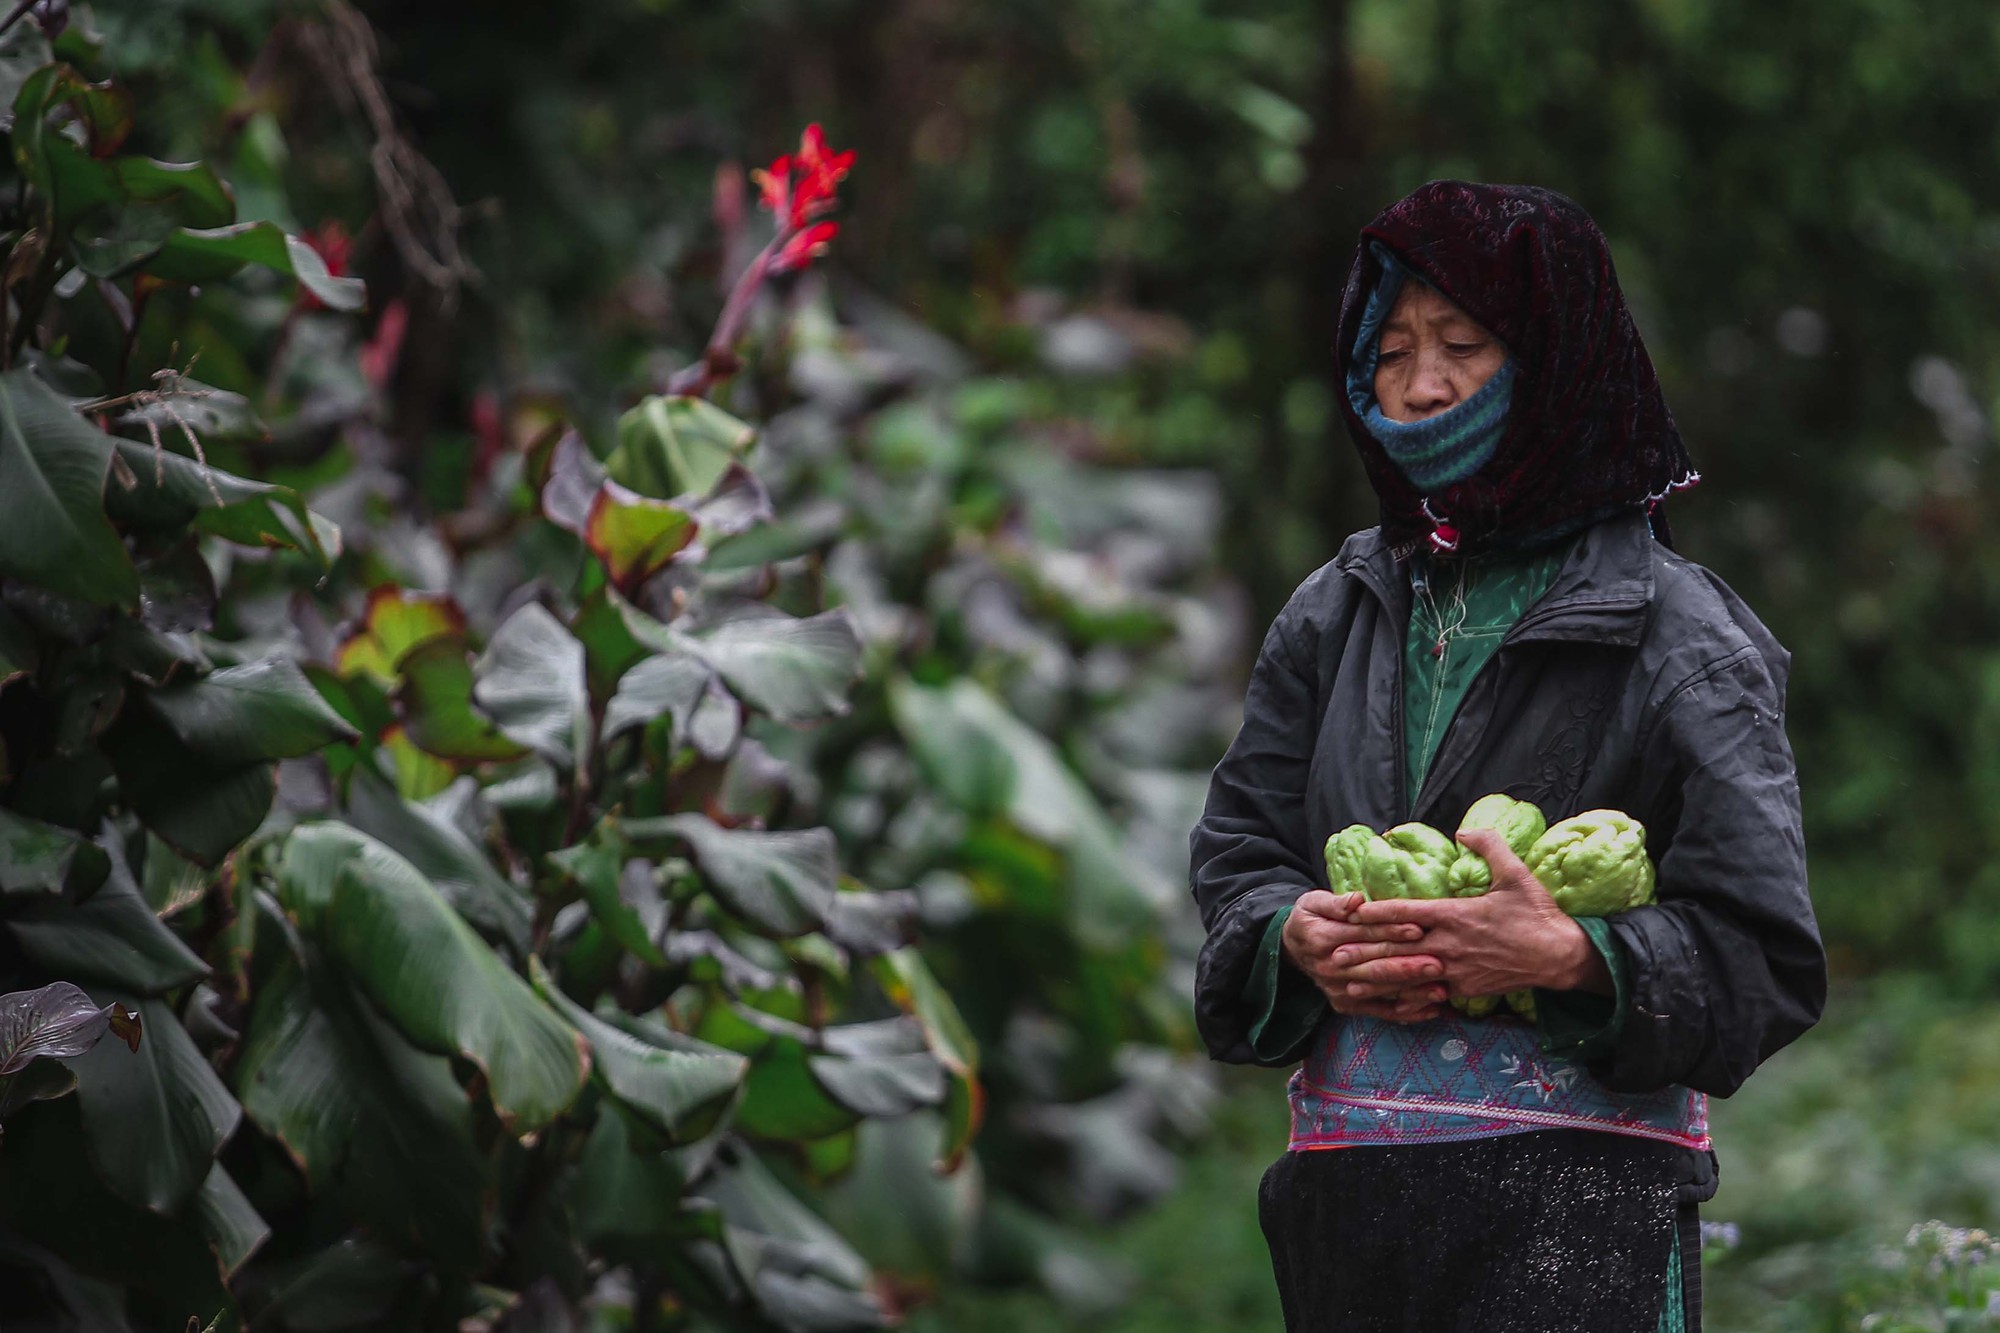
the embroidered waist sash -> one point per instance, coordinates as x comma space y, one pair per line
1368, 1081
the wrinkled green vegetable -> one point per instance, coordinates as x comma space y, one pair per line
1409, 861
1594, 864
1347, 859
1476, 1006
1520, 823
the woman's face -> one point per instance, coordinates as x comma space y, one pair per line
1432, 355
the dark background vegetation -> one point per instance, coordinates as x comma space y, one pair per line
1125, 226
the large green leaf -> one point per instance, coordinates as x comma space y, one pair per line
50, 1193
229, 1219
368, 1118
446, 988
780, 881
212, 254
959, 754
350, 1284
445, 856
880, 1069
395, 621
671, 685
309, 865
156, 1117
675, 445
44, 858
895, 1206
111, 937
574, 479
176, 592
52, 471
987, 759
214, 415
635, 535
625, 1196
806, 1083
201, 808
160, 488
597, 867
795, 670
616, 637
436, 699
804, 1273
909, 982
531, 682
250, 713
680, 1086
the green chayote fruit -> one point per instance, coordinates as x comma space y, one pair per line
1522, 1002
1520, 823
1409, 861
1594, 864
1347, 859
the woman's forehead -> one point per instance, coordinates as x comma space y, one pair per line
1420, 304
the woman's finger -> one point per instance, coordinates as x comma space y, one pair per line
1320, 903
1425, 912
1412, 970
1367, 951
1327, 936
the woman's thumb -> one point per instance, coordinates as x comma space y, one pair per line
1508, 869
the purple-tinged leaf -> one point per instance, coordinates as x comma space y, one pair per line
56, 1021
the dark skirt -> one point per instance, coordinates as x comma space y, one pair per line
1550, 1231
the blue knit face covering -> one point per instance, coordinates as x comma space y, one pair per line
1439, 450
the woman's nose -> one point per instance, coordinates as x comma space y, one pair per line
1431, 389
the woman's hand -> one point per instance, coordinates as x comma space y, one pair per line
1404, 989
1510, 938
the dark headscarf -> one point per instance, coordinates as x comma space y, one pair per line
1589, 434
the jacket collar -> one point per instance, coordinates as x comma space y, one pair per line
1600, 595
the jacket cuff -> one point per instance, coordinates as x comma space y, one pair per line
1288, 1006
1581, 1026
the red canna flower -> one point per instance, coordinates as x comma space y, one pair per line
774, 185
797, 188
804, 247
818, 175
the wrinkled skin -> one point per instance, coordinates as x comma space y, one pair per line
1432, 357
1319, 939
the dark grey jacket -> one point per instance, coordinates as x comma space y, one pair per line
1639, 682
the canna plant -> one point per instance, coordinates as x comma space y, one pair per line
512, 1000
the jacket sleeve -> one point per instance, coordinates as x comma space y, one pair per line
1727, 967
1248, 853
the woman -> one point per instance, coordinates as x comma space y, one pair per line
1518, 623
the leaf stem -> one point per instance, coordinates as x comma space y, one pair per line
719, 360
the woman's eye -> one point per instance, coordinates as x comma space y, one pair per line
1463, 349
1390, 355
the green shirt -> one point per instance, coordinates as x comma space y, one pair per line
1456, 625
